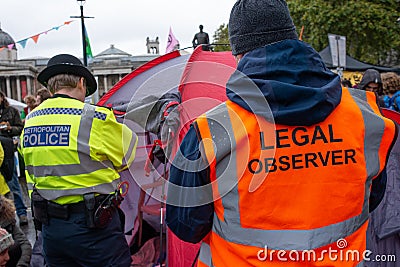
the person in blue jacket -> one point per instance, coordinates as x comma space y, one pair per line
391, 90
299, 89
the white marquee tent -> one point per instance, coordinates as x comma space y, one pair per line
16, 104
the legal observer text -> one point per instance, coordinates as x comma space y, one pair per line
301, 161
301, 136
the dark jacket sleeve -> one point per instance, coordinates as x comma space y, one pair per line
25, 245
378, 187
377, 190
16, 123
12, 115
189, 208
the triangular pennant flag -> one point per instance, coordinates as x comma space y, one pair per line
23, 43
173, 43
88, 47
35, 38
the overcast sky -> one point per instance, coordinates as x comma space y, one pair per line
124, 23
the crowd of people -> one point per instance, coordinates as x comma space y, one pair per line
386, 85
13, 208
295, 160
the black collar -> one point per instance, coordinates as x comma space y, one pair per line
63, 96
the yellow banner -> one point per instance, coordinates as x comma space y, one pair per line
353, 76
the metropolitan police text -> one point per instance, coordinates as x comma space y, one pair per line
47, 135
301, 136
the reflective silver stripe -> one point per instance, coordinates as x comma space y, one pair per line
222, 134
374, 129
230, 229
101, 189
29, 186
85, 128
129, 152
205, 254
287, 239
86, 165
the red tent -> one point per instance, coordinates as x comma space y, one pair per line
391, 114
191, 84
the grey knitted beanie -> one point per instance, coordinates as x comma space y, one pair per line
256, 23
6, 240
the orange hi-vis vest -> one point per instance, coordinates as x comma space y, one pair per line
292, 195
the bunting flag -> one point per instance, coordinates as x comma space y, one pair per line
23, 43
88, 48
173, 43
35, 37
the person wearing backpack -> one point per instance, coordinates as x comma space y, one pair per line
391, 86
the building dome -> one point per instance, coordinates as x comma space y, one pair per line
6, 39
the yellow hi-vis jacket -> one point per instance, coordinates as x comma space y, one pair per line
292, 195
71, 148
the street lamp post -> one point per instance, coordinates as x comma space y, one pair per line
82, 17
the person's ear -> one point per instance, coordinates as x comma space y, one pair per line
82, 82
238, 58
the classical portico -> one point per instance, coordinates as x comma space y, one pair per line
16, 79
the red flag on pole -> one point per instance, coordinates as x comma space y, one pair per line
173, 43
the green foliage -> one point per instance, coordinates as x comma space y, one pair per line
221, 39
371, 27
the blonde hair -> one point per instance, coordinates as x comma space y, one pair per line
390, 82
62, 81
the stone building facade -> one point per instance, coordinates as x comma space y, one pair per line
18, 77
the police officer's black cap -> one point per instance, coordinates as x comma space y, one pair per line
68, 64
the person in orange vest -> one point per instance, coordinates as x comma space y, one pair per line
286, 171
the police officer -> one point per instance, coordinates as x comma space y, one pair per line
73, 152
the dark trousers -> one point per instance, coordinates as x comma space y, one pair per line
71, 243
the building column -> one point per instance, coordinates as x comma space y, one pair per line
18, 89
95, 97
105, 83
8, 87
28, 85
